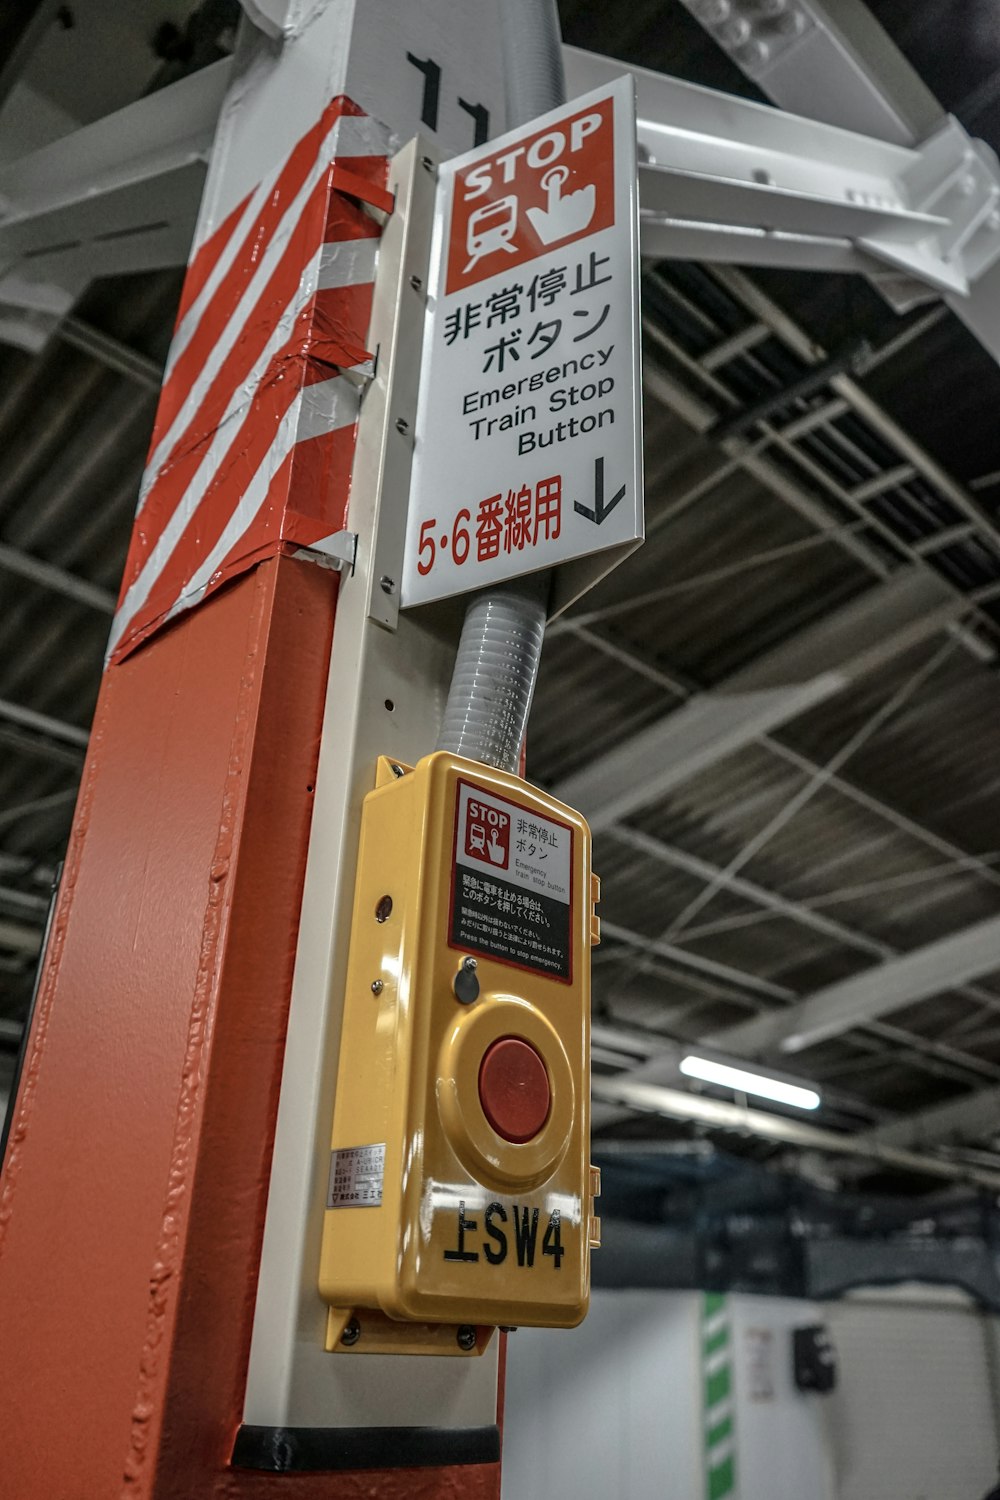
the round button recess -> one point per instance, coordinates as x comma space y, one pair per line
514, 1089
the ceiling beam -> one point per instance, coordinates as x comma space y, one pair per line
112, 352
17, 938
36, 805
676, 748
45, 724
651, 1098
884, 811
22, 29
801, 672
663, 1068
28, 902
34, 747
846, 70
115, 196
767, 900
875, 992
48, 576
973, 1117
10, 1032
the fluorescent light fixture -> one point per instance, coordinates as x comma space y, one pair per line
749, 1083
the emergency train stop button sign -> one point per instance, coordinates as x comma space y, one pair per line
528, 435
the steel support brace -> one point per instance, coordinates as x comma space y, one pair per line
724, 179
116, 196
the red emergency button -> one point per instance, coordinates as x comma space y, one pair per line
514, 1089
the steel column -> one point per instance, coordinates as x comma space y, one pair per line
133, 1190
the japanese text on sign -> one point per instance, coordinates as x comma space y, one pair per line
502, 523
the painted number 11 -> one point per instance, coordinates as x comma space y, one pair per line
432, 97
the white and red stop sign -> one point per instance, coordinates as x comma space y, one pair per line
528, 440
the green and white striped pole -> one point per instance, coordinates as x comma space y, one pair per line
719, 1415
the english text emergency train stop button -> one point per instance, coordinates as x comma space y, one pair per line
514, 1089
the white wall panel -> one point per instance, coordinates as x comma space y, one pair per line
611, 1410
914, 1417
782, 1441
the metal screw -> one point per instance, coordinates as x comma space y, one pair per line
377, 986
466, 1337
416, 283
383, 908
351, 1333
396, 770
402, 425
387, 584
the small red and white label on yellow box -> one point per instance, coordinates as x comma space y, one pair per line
528, 435
511, 885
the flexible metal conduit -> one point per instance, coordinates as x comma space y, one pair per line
501, 643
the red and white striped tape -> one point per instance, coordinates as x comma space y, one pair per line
254, 435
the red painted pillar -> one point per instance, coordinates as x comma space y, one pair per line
134, 1192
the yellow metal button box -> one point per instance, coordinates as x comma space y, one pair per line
460, 1191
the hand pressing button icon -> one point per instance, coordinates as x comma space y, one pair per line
495, 849
562, 216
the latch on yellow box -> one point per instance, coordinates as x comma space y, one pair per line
460, 1192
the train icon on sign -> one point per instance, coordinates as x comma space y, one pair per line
491, 228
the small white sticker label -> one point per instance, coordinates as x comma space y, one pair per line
356, 1177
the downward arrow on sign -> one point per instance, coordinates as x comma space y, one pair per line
601, 508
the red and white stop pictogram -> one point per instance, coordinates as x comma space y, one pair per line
487, 834
540, 193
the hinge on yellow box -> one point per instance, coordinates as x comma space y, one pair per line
595, 921
595, 1223
363, 1331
